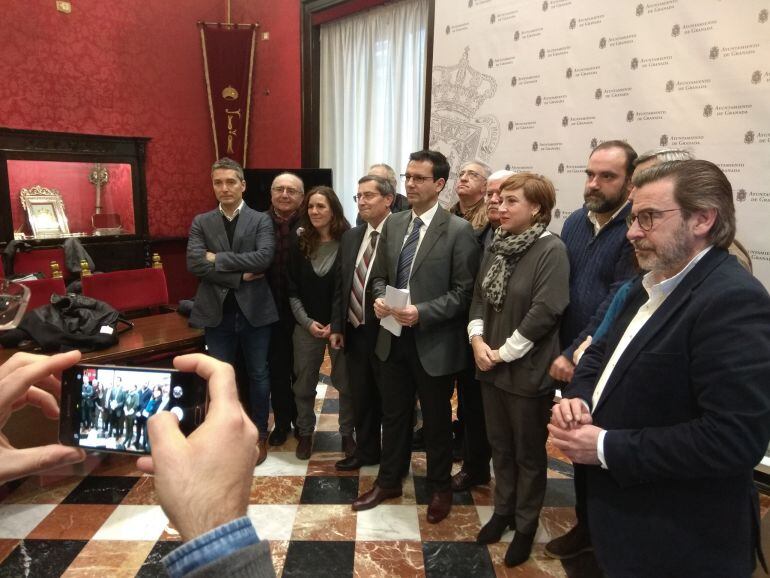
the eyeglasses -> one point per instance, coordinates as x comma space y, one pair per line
471, 175
284, 189
646, 219
366, 196
417, 179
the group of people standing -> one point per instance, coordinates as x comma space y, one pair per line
115, 415
503, 309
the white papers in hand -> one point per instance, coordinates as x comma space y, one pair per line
396, 299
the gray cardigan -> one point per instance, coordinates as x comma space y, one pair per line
538, 294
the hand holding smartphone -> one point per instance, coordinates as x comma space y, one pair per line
106, 408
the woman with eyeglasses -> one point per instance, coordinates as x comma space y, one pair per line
521, 292
313, 269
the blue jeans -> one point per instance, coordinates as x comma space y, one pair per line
223, 341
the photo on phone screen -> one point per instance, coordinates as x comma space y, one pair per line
106, 408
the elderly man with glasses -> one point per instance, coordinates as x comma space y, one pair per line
471, 186
286, 194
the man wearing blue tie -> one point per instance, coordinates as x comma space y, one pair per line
434, 255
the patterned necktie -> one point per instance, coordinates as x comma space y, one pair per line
407, 255
356, 309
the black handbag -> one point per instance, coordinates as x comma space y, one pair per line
70, 322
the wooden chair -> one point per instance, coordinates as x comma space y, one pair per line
128, 289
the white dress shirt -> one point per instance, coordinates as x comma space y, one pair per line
658, 292
362, 249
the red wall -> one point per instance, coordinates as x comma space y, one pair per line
135, 69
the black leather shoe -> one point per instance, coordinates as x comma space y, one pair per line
494, 529
375, 497
440, 506
348, 445
571, 544
278, 436
462, 481
352, 463
519, 550
418, 440
304, 447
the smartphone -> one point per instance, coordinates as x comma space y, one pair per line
105, 407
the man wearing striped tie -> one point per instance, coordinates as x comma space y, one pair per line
434, 256
354, 325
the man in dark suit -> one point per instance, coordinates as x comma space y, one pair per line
229, 250
435, 256
470, 432
600, 261
354, 325
287, 192
677, 391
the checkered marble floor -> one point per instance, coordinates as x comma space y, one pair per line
102, 519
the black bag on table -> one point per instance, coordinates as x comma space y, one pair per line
69, 322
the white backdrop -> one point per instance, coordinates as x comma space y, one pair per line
534, 85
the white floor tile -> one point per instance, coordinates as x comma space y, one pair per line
281, 464
18, 520
273, 522
388, 522
485, 513
133, 523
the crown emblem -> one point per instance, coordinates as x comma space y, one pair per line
461, 88
229, 93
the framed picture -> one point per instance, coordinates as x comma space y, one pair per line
45, 212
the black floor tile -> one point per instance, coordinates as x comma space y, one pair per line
329, 490
331, 405
327, 441
559, 493
456, 559
423, 493
101, 490
41, 558
313, 559
152, 566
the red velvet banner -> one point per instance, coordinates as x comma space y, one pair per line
228, 62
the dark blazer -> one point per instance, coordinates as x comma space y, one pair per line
252, 251
687, 414
349, 247
441, 287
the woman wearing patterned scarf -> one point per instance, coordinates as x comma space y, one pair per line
521, 291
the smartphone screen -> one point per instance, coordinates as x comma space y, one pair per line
106, 408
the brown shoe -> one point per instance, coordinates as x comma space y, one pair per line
304, 447
462, 481
348, 445
262, 447
374, 497
440, 506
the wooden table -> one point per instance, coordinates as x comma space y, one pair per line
155, 334
151, 335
